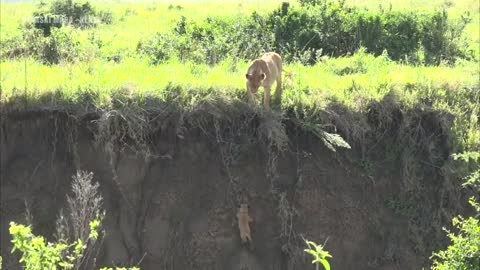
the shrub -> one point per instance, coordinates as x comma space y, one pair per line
31, 42
106, 16
251, 37
158, 48
46, 22
12, 47
39, 254
464, 252
79, 14
77, 233
441, 37
398, 33
63, 45
325, 26
401, 35
300, 33
209, 41
337, 29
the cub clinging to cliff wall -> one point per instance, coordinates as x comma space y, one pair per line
243, 223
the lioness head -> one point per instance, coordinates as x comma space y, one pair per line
255, 80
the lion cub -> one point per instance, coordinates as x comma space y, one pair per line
243, 223
264, 72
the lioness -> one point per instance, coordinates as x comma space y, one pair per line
243, 223
264, 72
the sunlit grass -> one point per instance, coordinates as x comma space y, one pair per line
348, 79
134, 21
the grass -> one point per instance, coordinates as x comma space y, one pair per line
135, 21
346, 79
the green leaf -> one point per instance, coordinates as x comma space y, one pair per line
325, 264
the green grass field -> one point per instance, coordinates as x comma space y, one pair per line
352, 80
340, 78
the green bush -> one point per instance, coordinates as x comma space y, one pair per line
300, 33
106, 16
158, 48
401, 35
46, 22
441, 38
336, 29
253, 38
310, 28
39, 254
62, 45
80, 14
464, 252
209, 41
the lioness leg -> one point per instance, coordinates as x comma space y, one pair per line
250, 96
279, 90
266, 100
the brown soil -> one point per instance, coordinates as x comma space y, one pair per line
177, 210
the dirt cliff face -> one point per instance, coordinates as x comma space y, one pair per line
175, 208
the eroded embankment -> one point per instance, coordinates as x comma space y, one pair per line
171, 181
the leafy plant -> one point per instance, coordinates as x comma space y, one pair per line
473, 179
78, 13
37, 253
464, 252
319, 255
157, 49
76, 234
441, 38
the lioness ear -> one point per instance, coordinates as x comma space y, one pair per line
247, 76
263, 76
